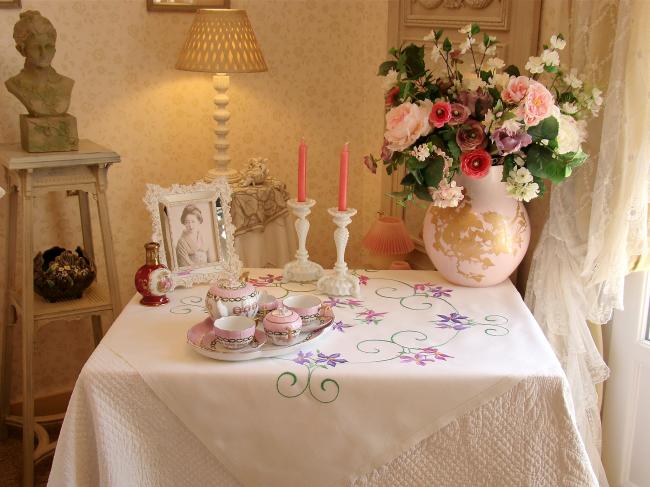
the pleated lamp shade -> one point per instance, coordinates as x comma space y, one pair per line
221, 41
388, 236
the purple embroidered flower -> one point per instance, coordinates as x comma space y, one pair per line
340, 326
454, 321
363, 280
332, 360
370, 316
439, 291
353, 303
303, 358
332, 302
438, 355
418, 358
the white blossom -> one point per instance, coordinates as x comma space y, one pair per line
500, 80
495, 63
557, 42
488, 51
519, 161
390, 79
520, 184
521, 175
435, 54
572, 79
551, 58
465, 30
512, 126
431, 36
472, 82
466, 45
569, 108
446, 195
571, 134
421, 152
535, 65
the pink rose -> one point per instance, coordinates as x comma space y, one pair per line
475, 164
459, 113
537, 105
470, 136
440, 114
406, 123
516, 89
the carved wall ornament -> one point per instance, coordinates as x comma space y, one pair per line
475, 4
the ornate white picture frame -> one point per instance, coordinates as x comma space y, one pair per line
192, 224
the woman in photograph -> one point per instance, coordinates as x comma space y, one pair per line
192, 248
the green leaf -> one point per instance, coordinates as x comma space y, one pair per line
574, 159
438, 34
512, 70
475, 29
542, 185
486, 75
414, 61
567, 97
422, 193
550, 69
494, 93
446, 45
508, 165
541, 163
413, 164
546, 129
433, 172
486, 40
393, 51
386, 66
408, 180
454, 149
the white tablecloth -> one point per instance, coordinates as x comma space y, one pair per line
486, 406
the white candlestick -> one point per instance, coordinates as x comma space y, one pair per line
341, 282
302, 269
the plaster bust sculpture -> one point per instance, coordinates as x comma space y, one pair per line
44, 92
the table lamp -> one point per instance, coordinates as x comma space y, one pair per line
387, 241
221, 42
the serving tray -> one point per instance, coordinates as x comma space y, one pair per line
202, 340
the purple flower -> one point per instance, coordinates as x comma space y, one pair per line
332, 360
418, 358
436, 353
340, 326
332, 302
454, 317
353, 303
372, 316
363, 280
508, 142
303, 358
478, 101
450, 326
453, 321
370, 163
439, 291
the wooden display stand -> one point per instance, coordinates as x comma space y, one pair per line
31, 175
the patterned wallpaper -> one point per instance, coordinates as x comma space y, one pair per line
321, 84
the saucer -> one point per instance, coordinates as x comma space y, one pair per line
326, 318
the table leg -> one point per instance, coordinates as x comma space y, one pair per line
98, 332
27, 320
107, 238
7, 326
86, 225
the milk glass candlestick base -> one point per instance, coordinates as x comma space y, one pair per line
301, 269
341, 282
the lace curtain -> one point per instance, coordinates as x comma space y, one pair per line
598, 218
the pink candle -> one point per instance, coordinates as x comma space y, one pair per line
302, 171
343, 178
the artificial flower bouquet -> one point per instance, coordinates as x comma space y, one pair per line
446, 120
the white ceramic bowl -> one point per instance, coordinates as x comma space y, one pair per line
234, 332
306, 305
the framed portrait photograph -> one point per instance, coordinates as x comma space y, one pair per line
192, 224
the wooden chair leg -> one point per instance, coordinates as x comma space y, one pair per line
7, 326
27, 321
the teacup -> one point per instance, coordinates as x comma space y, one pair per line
306, 305
282, 326
234, 332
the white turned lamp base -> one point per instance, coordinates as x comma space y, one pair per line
232, 175
341, 282
301, 269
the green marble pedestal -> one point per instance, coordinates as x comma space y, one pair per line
49, 134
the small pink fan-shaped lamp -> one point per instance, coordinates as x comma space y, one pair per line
387, 241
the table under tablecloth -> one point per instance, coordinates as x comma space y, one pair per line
418, 380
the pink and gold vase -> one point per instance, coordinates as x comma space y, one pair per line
153, 280
483, 240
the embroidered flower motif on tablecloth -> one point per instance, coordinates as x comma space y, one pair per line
371, 316
340, 326
340, 302
363, 280
433, 290
266, 280
332, 360
453, 321
426, 355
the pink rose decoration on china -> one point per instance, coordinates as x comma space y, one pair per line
516, 90
470, 136
537, 105
459, 113
440, 114
475, 164
406, 123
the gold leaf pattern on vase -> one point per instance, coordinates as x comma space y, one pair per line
473, 238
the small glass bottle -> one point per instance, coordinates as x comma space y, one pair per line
153, 280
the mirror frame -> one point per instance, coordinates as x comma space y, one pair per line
180, 6
157, 199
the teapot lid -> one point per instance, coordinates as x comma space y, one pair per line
231, 288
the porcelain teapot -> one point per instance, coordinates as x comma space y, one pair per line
232, 297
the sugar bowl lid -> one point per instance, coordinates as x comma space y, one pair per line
281, 318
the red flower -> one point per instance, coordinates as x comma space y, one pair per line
390, 96
476, 163
440, 114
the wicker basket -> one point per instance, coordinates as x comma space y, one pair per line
61, 274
